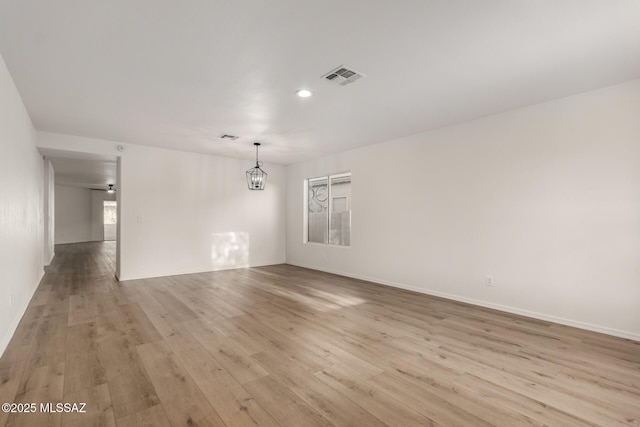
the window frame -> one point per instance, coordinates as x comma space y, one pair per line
305, 221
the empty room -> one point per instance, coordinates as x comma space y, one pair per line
293, 213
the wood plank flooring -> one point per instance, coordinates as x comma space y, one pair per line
287, 346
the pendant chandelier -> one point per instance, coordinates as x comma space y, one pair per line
256, 177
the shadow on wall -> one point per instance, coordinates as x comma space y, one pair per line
230, 250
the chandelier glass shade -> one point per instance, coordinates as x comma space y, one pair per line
256, 177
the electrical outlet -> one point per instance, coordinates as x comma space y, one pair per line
489, 281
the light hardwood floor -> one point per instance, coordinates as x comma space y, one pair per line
282, 345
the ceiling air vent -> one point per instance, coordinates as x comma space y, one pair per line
229, 137
343, 75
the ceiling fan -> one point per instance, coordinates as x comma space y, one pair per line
109, 190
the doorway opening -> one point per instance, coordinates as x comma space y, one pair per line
110, 223
82, 209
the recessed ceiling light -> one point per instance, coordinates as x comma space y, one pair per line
304, 93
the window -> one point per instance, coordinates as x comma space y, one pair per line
110, 220
328, 216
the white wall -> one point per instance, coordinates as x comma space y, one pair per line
73, 214
184, 212
21, 208
545, 199
79, 214
97, 214
49, 211
108, 147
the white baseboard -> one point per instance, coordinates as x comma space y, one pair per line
486, 304
16, 320
189, 271
170, 273
50, 259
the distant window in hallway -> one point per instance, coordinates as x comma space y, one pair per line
110, 220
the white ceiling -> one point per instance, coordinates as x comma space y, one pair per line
85, 170
177, 74
84, 173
